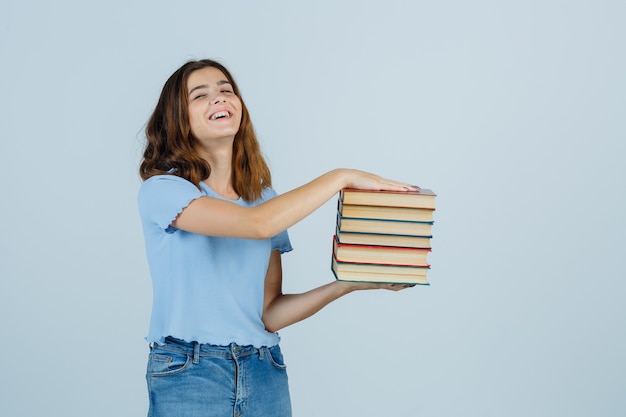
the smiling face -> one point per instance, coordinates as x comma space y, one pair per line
214, 108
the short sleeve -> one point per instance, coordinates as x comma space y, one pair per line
281, 241
163, 197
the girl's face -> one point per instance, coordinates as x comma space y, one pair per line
214, 108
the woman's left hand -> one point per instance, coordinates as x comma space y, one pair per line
356, 286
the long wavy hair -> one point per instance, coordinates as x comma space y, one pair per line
171, 147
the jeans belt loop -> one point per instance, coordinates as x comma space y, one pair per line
196, 352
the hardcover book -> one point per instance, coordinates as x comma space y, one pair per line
378, 239
394, 227
423, 198
367, 254
393, 274
385, 213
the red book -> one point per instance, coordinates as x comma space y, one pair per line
382, 255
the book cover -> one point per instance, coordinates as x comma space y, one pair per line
423, 198
386, 255
382, 226
384, 212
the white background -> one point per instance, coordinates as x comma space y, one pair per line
513, 112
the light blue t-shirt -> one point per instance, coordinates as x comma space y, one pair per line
205, 289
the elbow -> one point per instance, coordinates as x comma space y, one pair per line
266, 232
271, 318
261, 228
271, 329
269, 326
260, 231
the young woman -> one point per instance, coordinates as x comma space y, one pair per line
214, 232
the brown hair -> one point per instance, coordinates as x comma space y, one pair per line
170, 147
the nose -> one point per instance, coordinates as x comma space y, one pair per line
219, 99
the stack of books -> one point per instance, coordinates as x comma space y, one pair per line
383, 236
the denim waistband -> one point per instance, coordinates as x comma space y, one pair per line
206, 349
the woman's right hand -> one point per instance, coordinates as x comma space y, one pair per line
368, 181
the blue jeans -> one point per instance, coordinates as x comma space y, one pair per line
201, 380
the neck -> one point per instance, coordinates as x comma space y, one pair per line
220, 179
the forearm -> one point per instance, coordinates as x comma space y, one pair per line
287, 309
289, 208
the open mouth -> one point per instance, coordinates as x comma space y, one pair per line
219, 115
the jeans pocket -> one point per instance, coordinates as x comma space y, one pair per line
165, 363
276, 358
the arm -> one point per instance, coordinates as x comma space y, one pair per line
281, 310
215, 217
